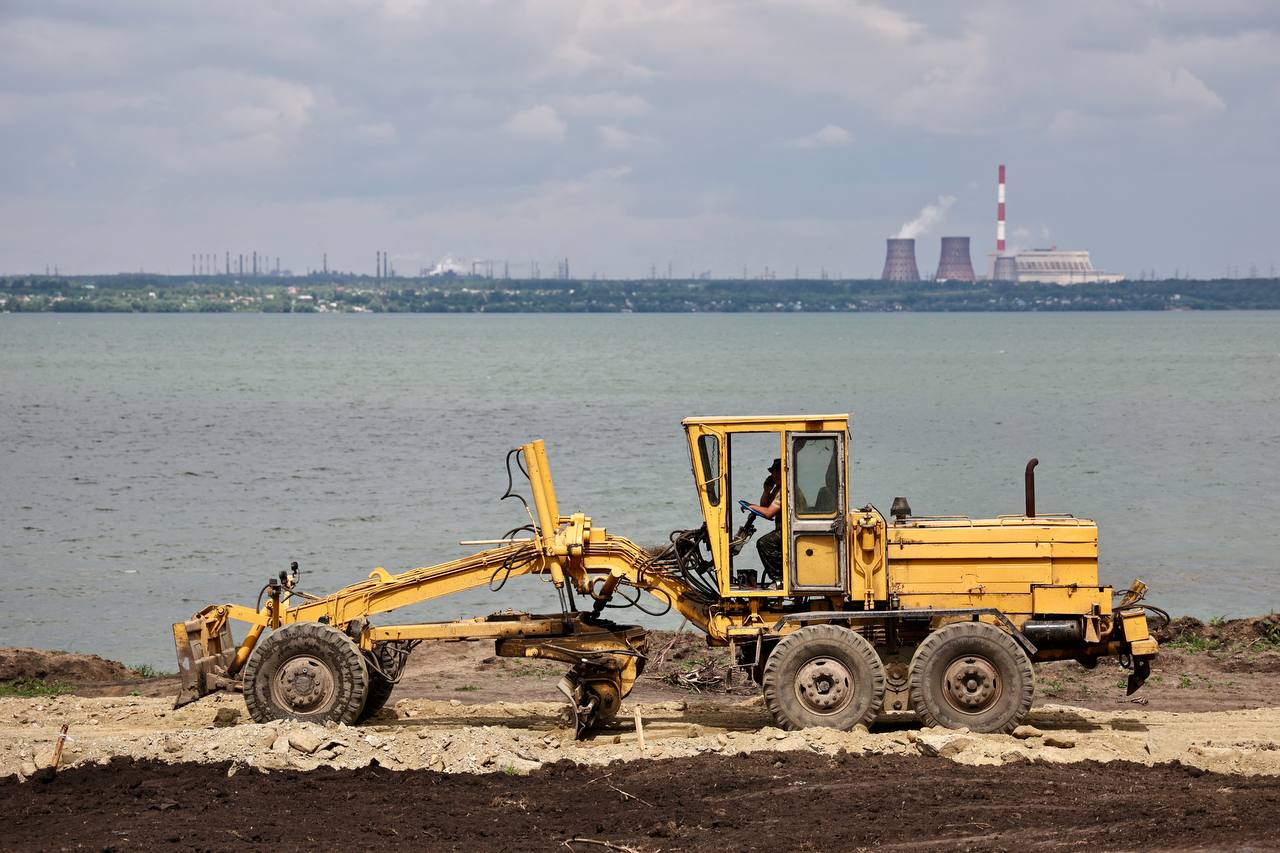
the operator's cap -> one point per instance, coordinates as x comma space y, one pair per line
776, 466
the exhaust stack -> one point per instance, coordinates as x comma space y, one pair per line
1029, 486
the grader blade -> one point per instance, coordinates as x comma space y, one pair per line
606, 661
205, 651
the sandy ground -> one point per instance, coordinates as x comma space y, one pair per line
473, 753
1213, 702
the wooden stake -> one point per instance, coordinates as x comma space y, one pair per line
639, 729
57, 747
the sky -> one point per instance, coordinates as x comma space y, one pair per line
700, 136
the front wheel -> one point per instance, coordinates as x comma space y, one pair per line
823, 675
306, 671
971, 675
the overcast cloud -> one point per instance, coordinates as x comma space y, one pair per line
708, 134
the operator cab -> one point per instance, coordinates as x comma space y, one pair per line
773, 532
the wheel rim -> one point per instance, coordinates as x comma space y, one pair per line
824, 686
303, 684
972, 684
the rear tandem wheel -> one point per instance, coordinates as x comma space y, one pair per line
385, 664
971, 675
823, 675
306, 671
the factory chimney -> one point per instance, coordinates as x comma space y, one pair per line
1004, 266
1000, 213
953, 262
900, 260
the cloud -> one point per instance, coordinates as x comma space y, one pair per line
929, 217
614, 138
382, 131
109, 110
608, 105
828, 136
537, 124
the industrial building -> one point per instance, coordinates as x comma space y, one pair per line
1057, 266
1044, 266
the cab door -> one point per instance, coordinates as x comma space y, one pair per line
816, 512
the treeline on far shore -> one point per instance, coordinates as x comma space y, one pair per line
139, 293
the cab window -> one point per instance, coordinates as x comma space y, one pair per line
709, 459
817, 476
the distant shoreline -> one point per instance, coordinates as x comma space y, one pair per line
146, 294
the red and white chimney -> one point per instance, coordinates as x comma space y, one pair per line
1000, 214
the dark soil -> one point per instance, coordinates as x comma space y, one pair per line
765, 801
1254, 633
61, 667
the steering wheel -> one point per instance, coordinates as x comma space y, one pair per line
746, 507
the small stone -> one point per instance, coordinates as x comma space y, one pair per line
226, 717
305, 741
231, 771
1024, 732
617, 738
1059, 741
280, 746
693, 731
325, 755
780, 736
455, 702
173, 748
861, 728
373, 740
955, 746
723, 740
27, 769
926, 748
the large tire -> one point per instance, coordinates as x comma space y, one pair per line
306, 671
971, 675
383, 659
823, 675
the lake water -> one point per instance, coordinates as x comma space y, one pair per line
152, 464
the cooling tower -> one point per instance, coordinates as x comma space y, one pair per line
953, 262
1006, 268
900, 260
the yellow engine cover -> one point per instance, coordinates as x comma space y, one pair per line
960, 562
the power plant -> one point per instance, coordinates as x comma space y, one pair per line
900, 260
1043, 266
953, 260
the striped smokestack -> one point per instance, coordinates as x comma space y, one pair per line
900, 260
1000, 213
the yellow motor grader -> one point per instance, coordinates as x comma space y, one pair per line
864, 615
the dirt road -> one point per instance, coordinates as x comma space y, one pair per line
487, 762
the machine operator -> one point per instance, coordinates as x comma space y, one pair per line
769, 546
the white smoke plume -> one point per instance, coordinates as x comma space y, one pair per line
929, 216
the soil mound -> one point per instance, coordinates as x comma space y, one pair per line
1256, 633
764, 801
66, 667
